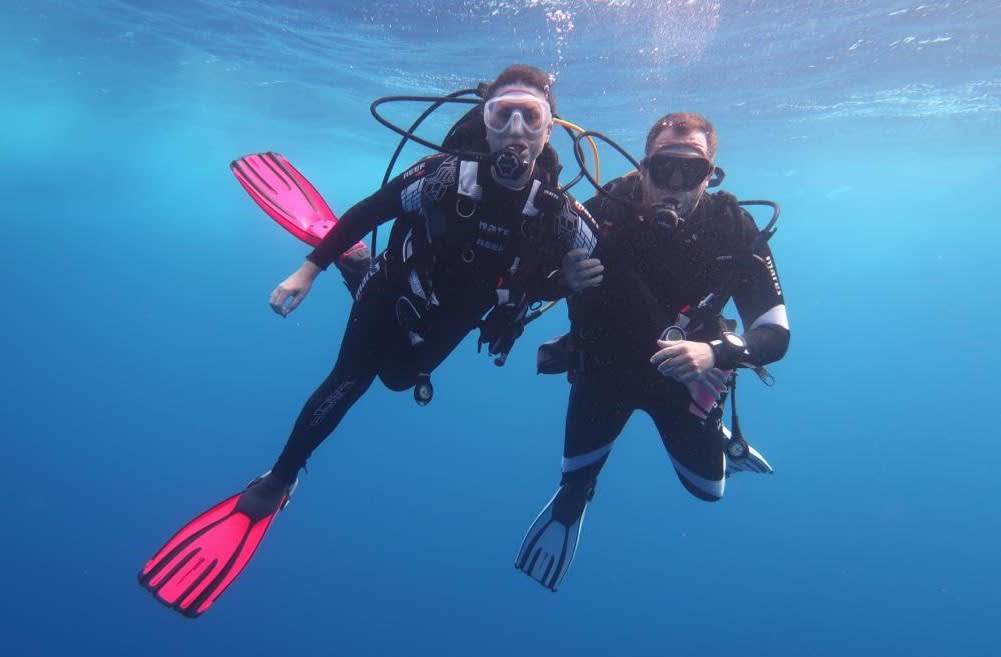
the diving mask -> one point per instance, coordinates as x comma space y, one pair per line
677, 172
517, 111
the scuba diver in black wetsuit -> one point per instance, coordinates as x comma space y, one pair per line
489, 232
651, 336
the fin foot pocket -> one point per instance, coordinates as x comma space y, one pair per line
202, 559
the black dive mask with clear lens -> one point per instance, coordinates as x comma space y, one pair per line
677, 173
508, 164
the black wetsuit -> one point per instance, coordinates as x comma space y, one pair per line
651, 274
457, 233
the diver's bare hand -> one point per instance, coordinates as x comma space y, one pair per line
683, 360
289, 294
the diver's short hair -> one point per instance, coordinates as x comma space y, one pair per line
527, 75
682, 123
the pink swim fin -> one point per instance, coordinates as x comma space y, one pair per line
286, 195
200, 562
292, 201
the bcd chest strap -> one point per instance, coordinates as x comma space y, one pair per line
536, 241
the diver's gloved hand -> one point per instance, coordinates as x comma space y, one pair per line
707, 390
289, 294
714, 379
503, 325
683, 360
578, 272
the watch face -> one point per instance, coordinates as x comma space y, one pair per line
735, 340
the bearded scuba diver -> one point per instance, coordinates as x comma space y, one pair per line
652, 336
481, 235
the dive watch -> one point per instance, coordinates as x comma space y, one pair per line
729, 351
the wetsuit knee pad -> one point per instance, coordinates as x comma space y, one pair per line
398, 381
705, 490
398, 367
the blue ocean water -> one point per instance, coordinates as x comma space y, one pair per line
146, 378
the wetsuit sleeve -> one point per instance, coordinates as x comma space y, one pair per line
761, 306
576, 231
361, 218
400, 195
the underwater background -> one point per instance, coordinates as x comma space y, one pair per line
145, 377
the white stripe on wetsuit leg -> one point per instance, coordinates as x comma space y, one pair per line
775, 315
584, 460
707, 486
